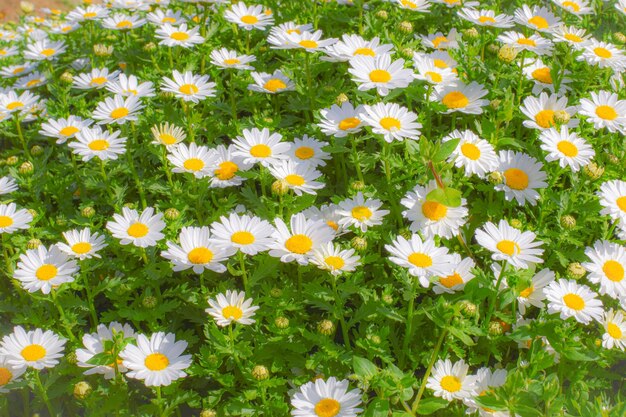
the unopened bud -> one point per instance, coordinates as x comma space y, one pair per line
149, 301
468, 308
33, 243
593, 170
171, 214
561, 117
82, 390
612, 158
495, 103
27, 7
620, 37
12, 160
36, 150
495, 177
358, 243
382, 14
471, 33
280, 187
276, 292
493, 48
568, 222
131, 206
507, 53
260, 373
102, 50
387, 299
357, 185
326, 327
281, 322
67, 77
88, 212
407, 52
406, 27
495, 328
71, 358
576, 271
406, 233
26, 168
208, 413
516, 223
341, 98
149, 47
32, 212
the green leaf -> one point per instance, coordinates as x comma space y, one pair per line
377, 408
430, 405
364, 368
447, 196
445, 149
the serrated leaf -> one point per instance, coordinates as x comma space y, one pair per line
449, 197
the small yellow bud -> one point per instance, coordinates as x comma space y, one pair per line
507, 53
326, 327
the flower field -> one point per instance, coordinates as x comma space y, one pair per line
329, 208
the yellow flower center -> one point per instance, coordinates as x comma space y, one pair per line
5, 376
409, 4
290, 31
455, 100
68, 131
156, 361
567, 148
539, 22
606, 112
32, 353
193, 164
380, 76
542, 75
486, 19
15, 105
293, 179
361, 213
98, 145
48, 52
179, 36
450, 383
440, 63
526, 41
621, 203
81, 248
574, 301
613, 270
509, 247
545, 118
137, 230
249, 19
18, 70
451, 280
168, 20
260, 151
438, 40
90, 15
46, 272
308, 44
349, 123
5, 221
573, 38
32, 83
470, 151
327, 407
364, 51
516, 179
242, 238
333, 225
226, 171
612, 329
188, 89
420, 260
232, 312
274, 85
305, 152
124, 24
299, 244
571, 5
119, 113
527, 292
603, 52
200, 256
98, 80
434, 211
167, 139
390, 123
335, 262
434, 76
231, 61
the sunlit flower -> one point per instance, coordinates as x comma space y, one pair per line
189, 86
225, 58
96, 142
130, 86
541, 111
571, 299
193, 159
43, 269
391, 120
329, 398
615, 330
455, 281
198, 251
274, 83
82, 244
94, 344
485, 17
341, 120
232, 307
298, 243
380, 73
360, 212
37, 349
567, 148
612, 196
351, 46
475, 155
141, 230
248, 17
12, 219
451, 381
607, 267
517, 248
178, 35
298, 177
225, 165
605, 110
537, 18
261, 146
248, 234
117, 109
459, 97
96, 78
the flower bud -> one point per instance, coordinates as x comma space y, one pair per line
471, 33
33, 243
276, 292
122, 65
407, 52
495, 328
208, 413
495, 103
88, 212
516, 223
67, 77
280, 187
12, 160
495, 177
561, 117
27, 7
382, 14
36, 150
597, 342
619, 37
406, 27
102, 50
575, 270
468, 308
82, 390
375, 339
358, 243
387, 299
71, 358
149, 47
260, 373
493, 48
406, 233
26, 168
326, 327
341, 98
357, 185
149, 301
593, 170
32, 212
507, 53
568, 222
612, 158
171, 214
131, 206
281, 322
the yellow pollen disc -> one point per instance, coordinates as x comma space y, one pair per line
364, 51
156, 361
188, 89
167, 139
621, 203
48, 52
193, 164
380, 76
440, 63
527, 42
232, 312
46, 272
434, 76
200, 256
539, 22
231, 61
5, 221
455, 100
119, 113
124, 24
98, 80
295, 180
5, 376
81, 248
90, 15
612, 329
470, 151
98, 145
361, 213
542, 75
545, 118
409, 4
450, 383
606, 112
603, 52
527, 292
260, 151
133, 92
33, 352
567, 148
137, 230
574, 301
335, 262
66, 28
333, 225
299, 244
304, 152
509, 247
438, 40
168, 20
179, 36
274, 85
434, 211
390, 123
249, 19
308, 44
613, 270
571, 5
420, 260
349, 123
15, 105
327, 407
451, 280
486, 19
290, 31
3, 51
242, 238
573, 38
68, 131
18, 70
226, 171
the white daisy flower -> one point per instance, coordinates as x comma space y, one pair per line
576, 7
35, 349
422, 6
533, 294
91, 12
522, 177
197, 250
141, 230
11, 103
278, 34
329, 398
120, 21
567, 148
82, 244
33, 80
537, 18
12, 219
541, 75
351, 46
607, 267
309, 41
160, 17
612, 196
274, 83
541, 111
188, 86
231, 307
455, 281
615, 330
621, 6
249, 234
225, 165
605, 110
8, 50
227, 59
485, 17
98, 78
486, 381
428, 71
475, 155
249, 18
94, 344
450, 381
193, 159
572, 35
341, 120
297, 176
461, 97
157, 360
18, 70
261, 146
332, 258
96, 142
603, 54
533, 43
380, 73
117, 109
391, 120
130, 86
178, 35
307, 150
167, 134
44, 269
571, 299
328, 213
361, 213
517, 248
7, 185
296, 244
440, 40
9, 373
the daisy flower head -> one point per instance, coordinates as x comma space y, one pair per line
328, 213
519, 249
248, 234
188, 86
82, 244
605, 110
486, 381
309, 41
227, 59
121, 21
44, 269
440, 40
118, 109
11, 102
274, 83
380, 73
230, 307
432, 218
533, 294
326, 398
97, 78
461, 97
621, 6
537, 18
142, 230
391, 120
8, 50
193, 159
341, 120
44, 50
360, 212
160, 17
12, 219
279, 35
157, 360
612, 196
541, 75
422, 6
167, 134
18, 70
607, 267
91, 12
130, 86
540, 111
575, 7
572, 35
485, 17
296, 176
455, 281
423, 259
225, 165
603, 54
570, 299
351, 46
33, 80
8, 373
249, 17
297, 242
614, 330
261, 146
533, 43
178, 35
522, 177
197, 250
94, 344
7, 185
566, 147
96, 142
332, 258
474, 154
37, 349
308, 150
428, 71
451, 381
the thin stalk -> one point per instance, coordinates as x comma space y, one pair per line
408, 333
67, 326
44, 394
433, 358
340, 316
18, 126
244, 273
231, 337
357, 162
160, 401
309, 82
133, 171
233, 98
166, 165
92, 310
494, 297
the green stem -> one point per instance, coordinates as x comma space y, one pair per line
138, 183
233, 97
18, 126
309, 82
231, 337
166, 165
339, 313
92, 310
494, 297
44, 394
244, 274
387, 162
67, 326
408, 333
433, 358
357, 162
160, 401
